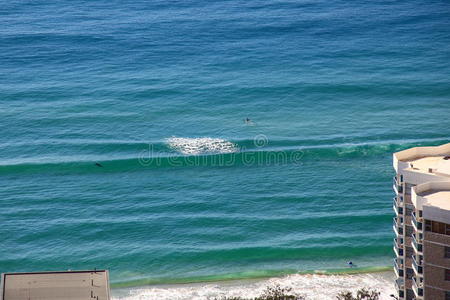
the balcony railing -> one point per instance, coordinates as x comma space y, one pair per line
417, 266
398, 227
398, 187
398, 247
416, 223
398, 268
397, 207
418, 247
399, 284
417, 288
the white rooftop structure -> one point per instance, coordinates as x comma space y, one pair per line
433, 198
72, 285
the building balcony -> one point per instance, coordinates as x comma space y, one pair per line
400, 286
417, 287
398, 247
398, 226
398, 268
417, 224
417, 245
417, 266
398, 188
398, 208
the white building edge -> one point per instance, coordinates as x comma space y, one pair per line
422, 222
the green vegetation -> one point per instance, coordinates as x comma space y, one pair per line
279, 293
271, 293
362, 294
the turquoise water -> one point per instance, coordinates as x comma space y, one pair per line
156, 94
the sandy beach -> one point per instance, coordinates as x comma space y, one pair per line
312, 286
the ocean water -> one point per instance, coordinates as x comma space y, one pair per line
312, 287
123, 143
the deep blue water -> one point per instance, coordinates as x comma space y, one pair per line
156, 94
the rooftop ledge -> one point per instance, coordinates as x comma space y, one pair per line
433, 198
430, 160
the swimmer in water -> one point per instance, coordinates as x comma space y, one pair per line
248, 121
98, 165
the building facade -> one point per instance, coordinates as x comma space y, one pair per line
422, 223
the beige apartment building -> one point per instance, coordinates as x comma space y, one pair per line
422, 223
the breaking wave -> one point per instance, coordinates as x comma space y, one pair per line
205, 152
315, 286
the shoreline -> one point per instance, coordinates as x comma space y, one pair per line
255, 275
315, 286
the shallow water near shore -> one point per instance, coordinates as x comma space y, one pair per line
312, 286
124, 143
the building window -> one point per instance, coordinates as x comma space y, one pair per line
410, 273
427, 225
437, 227
447, 295
447, 252
447, 274
408, 211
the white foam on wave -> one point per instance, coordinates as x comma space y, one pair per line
314, 287
202, 145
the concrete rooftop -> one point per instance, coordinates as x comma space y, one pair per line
437, 164
73, 285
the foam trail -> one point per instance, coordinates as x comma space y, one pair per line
313, 286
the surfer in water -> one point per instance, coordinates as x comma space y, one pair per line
248, 121
350, 264
99, 165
